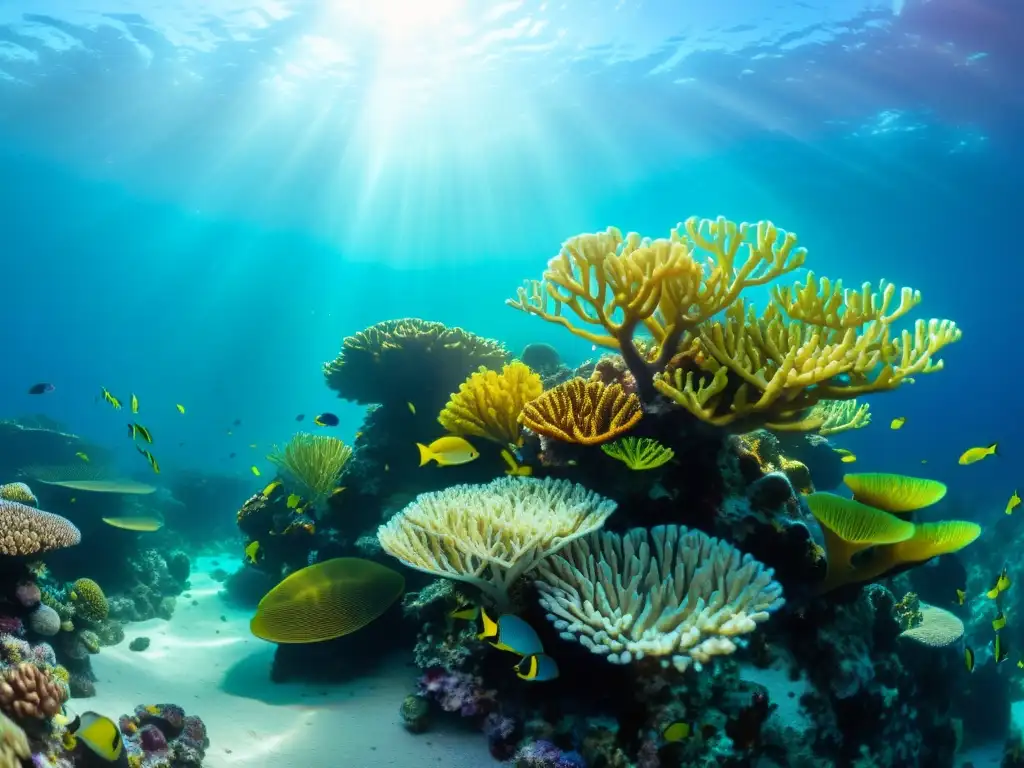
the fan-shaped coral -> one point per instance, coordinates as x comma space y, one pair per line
326, 600
488, 404
312, 464
639, 452
18, 492
25, 530
389, 361
583, 412
490, 535
670, 593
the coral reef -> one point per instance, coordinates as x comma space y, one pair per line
489, 404
584, 412
312, 465
163, 736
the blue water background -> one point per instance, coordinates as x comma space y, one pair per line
166, 230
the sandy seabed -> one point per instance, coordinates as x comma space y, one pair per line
205, 660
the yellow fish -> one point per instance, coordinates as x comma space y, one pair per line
447, 451
252, 551
972, 455
1020, 664
466, 613
848, 458
1002, 584
135, 403
137, 430
293, 500
412, 408
898, 422
102, 736
677, 731
338, 490
271, 488
255, 470
537, 667
180, 407
358, 435
960, 597
149, 458
999, 621
114, 402
514, 468
1000, 653
83, 457
1013, 503
969, 658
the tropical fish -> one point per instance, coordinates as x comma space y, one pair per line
149, 458
140, 523
448, 451
1000, 653
180, 407
300, 417
114, 402
898, 422
271, 488
969, 658
135, 403
972, 455
82, 456
999, 621
960, 596
338, 490
537, 668
412, 408
326, 420
1020, 664
102, 737
515, 468
1013, 503
254, 469
137, 430
677, 731
465, 612
847, 457
41, 389
293, 500
252, 551
1002, 584
510, 633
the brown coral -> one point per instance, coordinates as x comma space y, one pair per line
18, 492
583, 412
25, 530
26, 692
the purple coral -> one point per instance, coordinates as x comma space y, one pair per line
544, 754
457, 692
163, 736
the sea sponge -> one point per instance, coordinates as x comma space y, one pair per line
27, 692
44, 621
89, 600
671, 593
488, 404
326, 600
937, 627
490, 535
18, 492
312, 464
25, 530
584, 412
392, 360
639, 453
894, 493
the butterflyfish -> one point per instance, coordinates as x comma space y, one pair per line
898, 422
114, 402
82, 456
293, 500
255, 470
135, 403
447, 451
537, 668
515, 468
326, 420
972, 455
961, 595
140, 523
466, 612
150, 458
252, 551
102, 736
999, 621
412, 408
271, 487
1013, 503
969, 658
510, 633
1000, 653
677, 731
181, 408
41, 389
137, 430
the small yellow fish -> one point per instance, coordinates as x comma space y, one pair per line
447, 451
137, 430
848, 459
252, 551
412, 408
961, 595
1000, 653
84, 457
358, 435
293, 500
114, 402
677, 731
255, 470
135, 403
466, 613
180, 407
338, 490
1013, 503
514, 468
1020, 664
149, 458
999, 621
898, 422
972, 455
271, 488
1002, 584
969, 658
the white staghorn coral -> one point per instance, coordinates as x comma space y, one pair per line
490, 535
669, 592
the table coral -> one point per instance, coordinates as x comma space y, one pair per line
19, 492
584, 412
488, 404
25, 530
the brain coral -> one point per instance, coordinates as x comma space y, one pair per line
25, 530
90, 602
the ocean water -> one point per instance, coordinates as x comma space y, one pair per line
201, 198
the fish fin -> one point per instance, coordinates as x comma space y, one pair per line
425, 454
992, 449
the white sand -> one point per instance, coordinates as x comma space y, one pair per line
217, 670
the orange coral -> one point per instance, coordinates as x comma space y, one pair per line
579, 411
26, 691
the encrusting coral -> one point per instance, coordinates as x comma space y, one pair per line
584, 412
313, 464
25, 530
675, 594
491, 535
488, 404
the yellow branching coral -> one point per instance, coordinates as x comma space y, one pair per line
490, 535
391, 361
670, 593
840, 416
578, 411
488, 404
639, 452
313, 464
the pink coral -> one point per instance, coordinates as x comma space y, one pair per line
457, 692
27, 593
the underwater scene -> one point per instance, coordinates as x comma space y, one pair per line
481, 383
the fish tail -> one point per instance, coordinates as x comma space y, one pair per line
425, 454
992, 449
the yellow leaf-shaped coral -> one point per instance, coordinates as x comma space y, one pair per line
894, 493
588, 413
488, 404
326, 600
639, 452
933, 539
